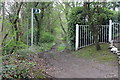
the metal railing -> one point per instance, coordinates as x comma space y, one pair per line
107, 33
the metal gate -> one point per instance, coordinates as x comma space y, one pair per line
115, 32
107, 33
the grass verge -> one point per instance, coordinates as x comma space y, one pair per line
103, 55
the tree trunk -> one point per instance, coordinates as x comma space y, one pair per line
66, 11
62, 25
2, 25
3, 13
95, 33
96, 41
39, 22
38, 30
16, 21
93, 26
15, 25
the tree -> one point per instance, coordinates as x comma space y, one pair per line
92, 14
39, 19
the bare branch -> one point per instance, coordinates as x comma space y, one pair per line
18, 11
8, 15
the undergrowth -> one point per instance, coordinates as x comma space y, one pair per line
61, 47
20, 63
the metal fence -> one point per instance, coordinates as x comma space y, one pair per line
116, 32
107, 33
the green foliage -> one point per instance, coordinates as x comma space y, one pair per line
19, 65
71, 35
15, 65
47, 37
78, 15
22, 54
42, 47
13, 45
94, 19
38, 74
61, 47
48, 28
13, 71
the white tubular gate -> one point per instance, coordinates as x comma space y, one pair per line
110, 30
77, 36
107, 33
115, 32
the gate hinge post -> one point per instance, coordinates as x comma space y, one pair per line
77, 37
110, 30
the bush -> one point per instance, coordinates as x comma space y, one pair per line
61, 47
42, 47
19, 65
14, 71
24, 54
13, 45
47, 37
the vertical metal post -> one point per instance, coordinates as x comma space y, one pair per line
119, 38
77, 36
27, 31
80, 36
90, 38
104, 33
100, 35
32, 27
117, 32
110, 30
113, 33
86, 36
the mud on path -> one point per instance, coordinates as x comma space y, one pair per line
65, 65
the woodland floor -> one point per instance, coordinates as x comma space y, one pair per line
66, 65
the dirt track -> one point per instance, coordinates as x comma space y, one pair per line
66, 65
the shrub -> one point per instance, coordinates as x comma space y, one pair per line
13, 45
47, 37
42, 47
21, 70
24, 54
61, 47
